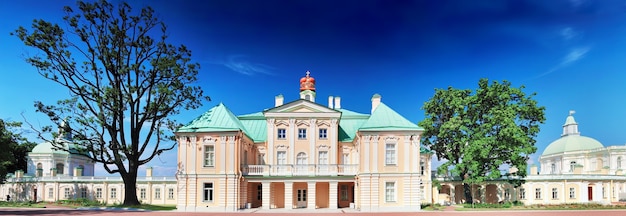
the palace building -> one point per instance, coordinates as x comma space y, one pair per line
574, 169
302, 154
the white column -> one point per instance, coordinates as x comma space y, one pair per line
265, 193
271, 129
194, 152
311, 193
407, 148
366, 154
374, 145
288, 195
222, 166
333, 136
312, 139
292, 134
332, 195
230, 169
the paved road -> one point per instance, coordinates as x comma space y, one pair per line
61, 211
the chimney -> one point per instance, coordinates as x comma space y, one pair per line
375, 101
278, 100
149, 172
337, 102
330, 102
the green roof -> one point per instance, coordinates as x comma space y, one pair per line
386, 119
425, 151
349, 124
256, 126
218, 118
572, 143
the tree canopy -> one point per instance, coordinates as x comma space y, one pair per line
479, 132
125, 81
13, 149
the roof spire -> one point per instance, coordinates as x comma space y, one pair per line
570, 127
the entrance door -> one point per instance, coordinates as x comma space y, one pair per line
301, 199
590, 193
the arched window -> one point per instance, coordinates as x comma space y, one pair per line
552, 168
59, 168
39, 171
301, 158
619, 162
572, 165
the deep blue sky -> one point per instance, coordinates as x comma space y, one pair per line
571, 53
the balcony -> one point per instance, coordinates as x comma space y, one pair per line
300, 170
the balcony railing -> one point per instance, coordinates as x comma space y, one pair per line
300, 170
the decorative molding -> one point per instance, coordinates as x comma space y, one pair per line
271, 121
261, 149
302, 122
282, 122
322, 122
208, 140
323, 147
282, 147
391, 139
292, 121
333, 121
346, 149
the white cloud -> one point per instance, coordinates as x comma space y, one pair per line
239, 64
568, 33
572, 56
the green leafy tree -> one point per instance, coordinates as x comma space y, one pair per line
477, 133
124, 81
13, 149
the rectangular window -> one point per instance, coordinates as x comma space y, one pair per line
282, 133
537, 193
390, 154
142, 193
113, 193
259, 192
323, 133
83, 192
322, 158
555, 194
422, 166
157, 193
261, 159
50, 193
507, 194
390, 191
301, 133
170, 193
98, 193
522, 193
344, 192
208, 192
281, 157
66, 193
345, 159
572, 193
209, 156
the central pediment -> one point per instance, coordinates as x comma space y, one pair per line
302, 108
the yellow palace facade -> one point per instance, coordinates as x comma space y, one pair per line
302, 154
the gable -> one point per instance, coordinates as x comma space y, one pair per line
302, 108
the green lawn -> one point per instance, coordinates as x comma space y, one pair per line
83, 203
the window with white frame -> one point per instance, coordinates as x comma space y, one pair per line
552, 168
170, 193
208, 192
422, 166
209, 155
522, 193
98, 193
323, 133
572, 165
301, 158
555, 193
142, 193
345, 158
113, 193
261, 159
281, 157
507, 194
390, 191
281, 133
390, 154
619, 162
66, 193
50, 193
83, 192
572, 193
322, 158
537, 193
157, 193
301, 133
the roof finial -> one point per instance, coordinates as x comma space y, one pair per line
308, 73
571, 112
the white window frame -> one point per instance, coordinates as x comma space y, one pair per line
170, 193
83, 192
537, 193
50, 193
572, 193
345, 158
522, 193
323, 133
322, 158
113, 193
422, 166
261, 159
390, 191
555, 193
157, 193
209, 156
66, 193
98, 193
207, 192
281, 157
391, 154
281, 133
142, 193
301, 133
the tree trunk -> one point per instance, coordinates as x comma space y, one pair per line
467, 190
130, 187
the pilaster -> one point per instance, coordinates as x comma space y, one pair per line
271, 129
375, 146
288, 195
194, 149
265, 193
312, 196
292, 134
222, 150
333, 136
312, 153
332, 194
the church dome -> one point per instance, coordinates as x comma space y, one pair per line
571, 140
307, 82
47, 148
